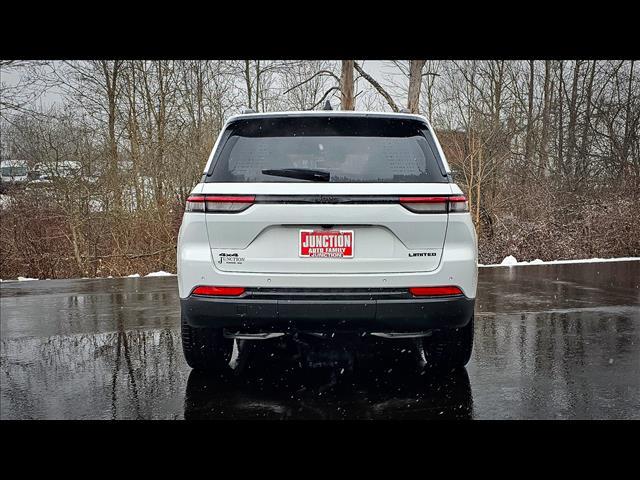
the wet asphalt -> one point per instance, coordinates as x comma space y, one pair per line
551, 342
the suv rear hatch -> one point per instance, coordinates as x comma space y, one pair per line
325, 195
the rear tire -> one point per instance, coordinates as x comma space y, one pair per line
205, 348
448, 349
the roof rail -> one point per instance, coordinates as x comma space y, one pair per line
247, 110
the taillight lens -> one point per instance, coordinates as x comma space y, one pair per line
218, 291
219, 203
458, 204
195, 203
435, 291
439, 204
425, 204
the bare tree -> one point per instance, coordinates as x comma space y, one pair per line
308, 85
379, 88
415, 82
546, 114
519, 134
346, 85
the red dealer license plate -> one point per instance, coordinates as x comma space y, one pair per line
326, 243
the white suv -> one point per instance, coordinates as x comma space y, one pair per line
322, 222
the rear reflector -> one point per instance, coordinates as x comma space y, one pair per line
218, 291
440, 204
434, 291
219, 203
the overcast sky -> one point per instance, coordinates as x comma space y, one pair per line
376, 68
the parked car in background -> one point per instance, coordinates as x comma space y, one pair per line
13, 171
62, 169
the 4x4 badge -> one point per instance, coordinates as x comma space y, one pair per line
230, 258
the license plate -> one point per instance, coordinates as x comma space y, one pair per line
326, 243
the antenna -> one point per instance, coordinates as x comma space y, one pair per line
248, 110
327, 106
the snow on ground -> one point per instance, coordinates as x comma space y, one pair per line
160, 274
511, 261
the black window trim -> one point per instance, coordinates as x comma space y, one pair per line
228, 130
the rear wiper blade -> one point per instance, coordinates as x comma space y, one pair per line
301, 173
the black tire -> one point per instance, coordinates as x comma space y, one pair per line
446, 350
205, 348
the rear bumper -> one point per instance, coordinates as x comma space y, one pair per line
379, 312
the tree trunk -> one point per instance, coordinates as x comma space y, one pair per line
76, 249
585, 142
528, 146
415, 82
258, 72
561, 165
133, 129
478, 184
573, 117
629, 131
346, 85
247, 79
110, 73
546, 113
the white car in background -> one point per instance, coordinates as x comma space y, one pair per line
327, 222
13, 171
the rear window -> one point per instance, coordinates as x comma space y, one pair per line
350, 149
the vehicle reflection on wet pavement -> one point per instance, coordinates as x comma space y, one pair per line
552, 341
283, 385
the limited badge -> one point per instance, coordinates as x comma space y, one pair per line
422, 254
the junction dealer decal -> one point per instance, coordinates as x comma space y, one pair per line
326, 243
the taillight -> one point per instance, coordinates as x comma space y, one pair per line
434, 291
439, 204
218, 291
219, 203
195, 203
458, 204
425, 204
